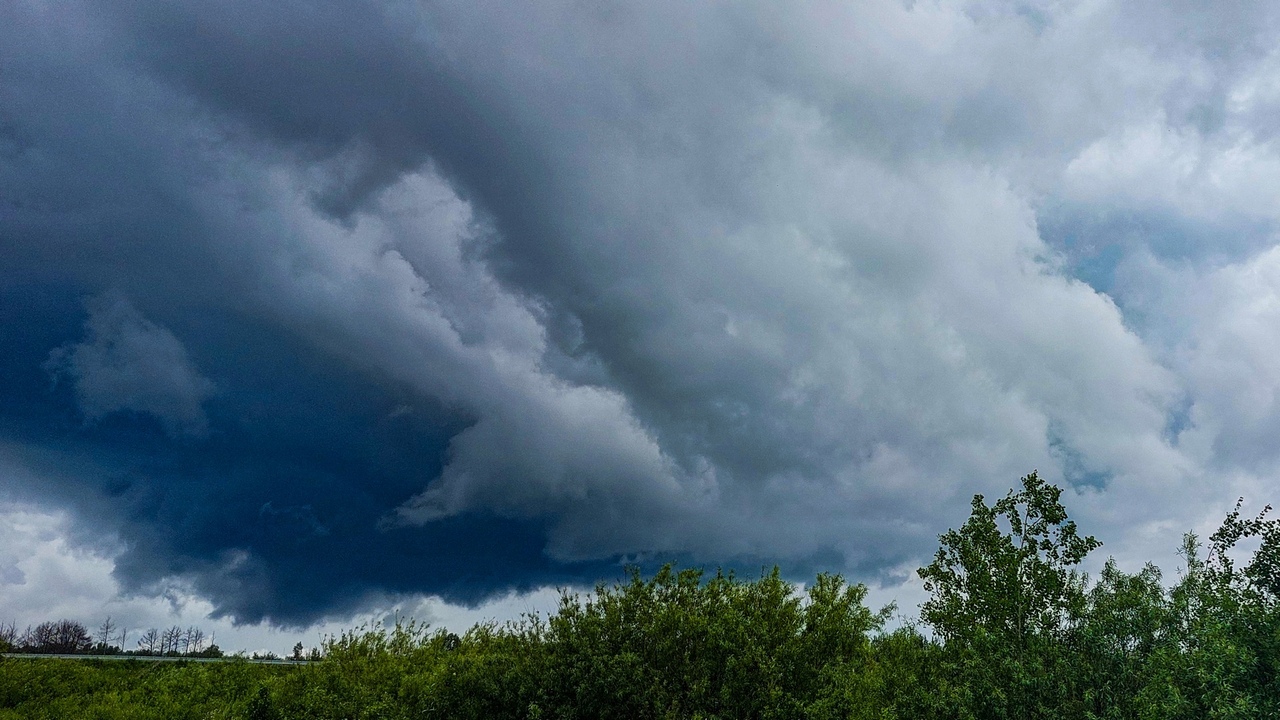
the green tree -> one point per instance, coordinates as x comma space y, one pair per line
1222, 659
1126, 625
1005, 597
679, 646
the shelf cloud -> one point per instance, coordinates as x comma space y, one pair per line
304, 305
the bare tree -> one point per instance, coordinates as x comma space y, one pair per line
105, 631
194, 640
9, 634
150, 641
122, 637
60, 636
70, 636
170, 640
41, 637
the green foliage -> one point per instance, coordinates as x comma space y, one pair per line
1007, 603
1124, 624
1223, 650
1012, 587
1011, 630
675, 646
127, 689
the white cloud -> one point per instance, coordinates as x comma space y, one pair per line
56, 579
1228, 358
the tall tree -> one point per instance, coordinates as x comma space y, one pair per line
71, 637
171, 640
106, 632
1004, 594
193, 640
150, 641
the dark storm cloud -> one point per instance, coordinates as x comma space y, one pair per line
275, 514
277, 494
394, 297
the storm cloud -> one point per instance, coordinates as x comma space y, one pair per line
130, 364
306, 305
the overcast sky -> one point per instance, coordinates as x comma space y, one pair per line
312, 310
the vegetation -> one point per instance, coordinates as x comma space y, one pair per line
68, 637
1011, 630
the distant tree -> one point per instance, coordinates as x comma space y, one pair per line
72, 637
40, 638
297, 652
193, 640
8, 636
60, 636
212, 651
149, 643
171, 641
105, 634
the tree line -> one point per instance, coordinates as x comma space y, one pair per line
1011, 630
69, 637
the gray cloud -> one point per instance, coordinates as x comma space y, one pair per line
128, 363
633, 280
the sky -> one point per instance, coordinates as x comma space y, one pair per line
311, 313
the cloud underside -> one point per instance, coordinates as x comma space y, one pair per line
457, 299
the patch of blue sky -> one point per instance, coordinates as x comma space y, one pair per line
1075, 471
1095, 240
1178, 420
